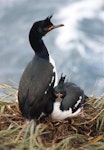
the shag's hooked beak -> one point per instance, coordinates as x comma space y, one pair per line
54, 26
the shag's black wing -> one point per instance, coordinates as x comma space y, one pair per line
73, 95
33, 85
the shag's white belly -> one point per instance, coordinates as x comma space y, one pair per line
58, 114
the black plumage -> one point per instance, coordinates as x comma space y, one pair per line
38, 78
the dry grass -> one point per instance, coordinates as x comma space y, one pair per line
84, 132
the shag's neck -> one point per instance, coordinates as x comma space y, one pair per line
38, 46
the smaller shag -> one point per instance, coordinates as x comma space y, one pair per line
69, 100
39, 76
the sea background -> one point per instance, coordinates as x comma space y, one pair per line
77, 48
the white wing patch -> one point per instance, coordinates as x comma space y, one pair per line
58, 114
45, 92
78, 102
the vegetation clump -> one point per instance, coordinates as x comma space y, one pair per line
85, 131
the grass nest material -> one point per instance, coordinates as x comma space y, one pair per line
84, 132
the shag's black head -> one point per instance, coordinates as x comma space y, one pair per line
59, 89
40, 28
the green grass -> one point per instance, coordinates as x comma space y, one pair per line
79, 133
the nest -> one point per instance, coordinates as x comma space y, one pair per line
85, 131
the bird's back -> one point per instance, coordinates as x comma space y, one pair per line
73, 94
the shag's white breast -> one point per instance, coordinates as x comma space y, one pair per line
54, 69
58, 114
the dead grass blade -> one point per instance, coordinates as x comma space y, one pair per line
78, 133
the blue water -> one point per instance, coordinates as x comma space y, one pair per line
77, 48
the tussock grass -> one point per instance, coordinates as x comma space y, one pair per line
84, 132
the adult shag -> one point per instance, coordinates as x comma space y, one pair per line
37, 81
